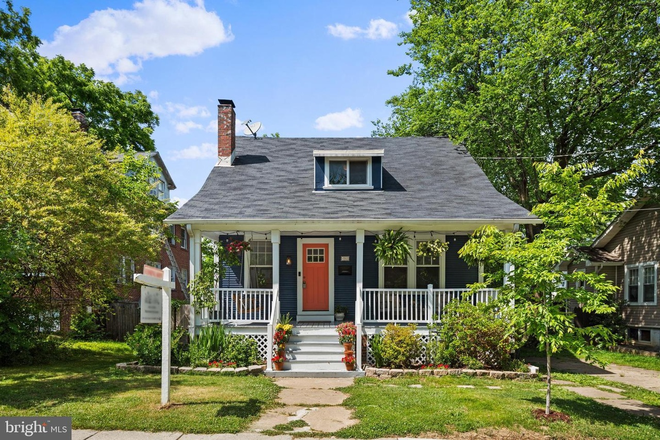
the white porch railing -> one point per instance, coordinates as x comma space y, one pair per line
414, 305
274, 316
242, 305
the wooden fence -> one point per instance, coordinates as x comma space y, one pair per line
122, 318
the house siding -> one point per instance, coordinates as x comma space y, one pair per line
638, 242
319, 173
377, 172
289, 277
458, 273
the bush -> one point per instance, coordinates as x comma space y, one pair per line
241, 350
85, 327
146, 343
377, 350
208, 345
473, 336
400, 345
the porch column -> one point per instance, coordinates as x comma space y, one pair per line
359, 271
195, 266
275, 241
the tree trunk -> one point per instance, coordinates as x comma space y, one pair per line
547, 365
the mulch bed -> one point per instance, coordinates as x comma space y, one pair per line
554, 416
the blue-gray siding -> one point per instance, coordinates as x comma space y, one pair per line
458, 274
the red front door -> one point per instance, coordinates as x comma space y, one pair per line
315, 277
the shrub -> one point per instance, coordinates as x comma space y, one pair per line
208, 345
242, 350
400, 345
85, 327
377, 350
146, 343
474, 336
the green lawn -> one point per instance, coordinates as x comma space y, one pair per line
606, 356
87, 387
391, 408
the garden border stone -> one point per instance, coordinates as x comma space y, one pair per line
387, 373
252, 370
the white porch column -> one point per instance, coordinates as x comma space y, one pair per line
195, 266
359, 272
275, 240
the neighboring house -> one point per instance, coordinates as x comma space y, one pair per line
311, 209
628, 253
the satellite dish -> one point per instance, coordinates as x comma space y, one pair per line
251, 128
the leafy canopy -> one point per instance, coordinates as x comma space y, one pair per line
571, 81
123, 120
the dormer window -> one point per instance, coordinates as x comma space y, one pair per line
348, 170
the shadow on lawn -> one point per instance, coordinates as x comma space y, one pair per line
592, 411
241, 409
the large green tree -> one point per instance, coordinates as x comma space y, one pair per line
69, 212
535, 291
123, 120
570, 81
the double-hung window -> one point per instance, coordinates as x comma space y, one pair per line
348, 172
184, 238
427, 270
641, 284
417, 273
261, 264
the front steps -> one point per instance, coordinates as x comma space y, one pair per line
314, 351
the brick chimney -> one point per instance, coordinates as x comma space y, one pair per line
226, 133
79, 116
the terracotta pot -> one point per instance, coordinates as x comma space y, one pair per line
279, 366
348, 346
281, 352
350, 367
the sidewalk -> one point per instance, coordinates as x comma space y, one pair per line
137, 435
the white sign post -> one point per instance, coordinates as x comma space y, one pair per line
151, 280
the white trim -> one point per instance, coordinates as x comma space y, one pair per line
412, 267
316, 315
458, 225
348, 186
640, 283
348, 153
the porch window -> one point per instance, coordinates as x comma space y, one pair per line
395, 277
184, 238
427, 270
261, 264
641, 283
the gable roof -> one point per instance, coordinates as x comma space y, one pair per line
423, 179
618, 224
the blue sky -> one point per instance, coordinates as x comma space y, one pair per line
302, 68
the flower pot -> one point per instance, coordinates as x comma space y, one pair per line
339, 316
279, 366
350, 367
348, 346
281, 352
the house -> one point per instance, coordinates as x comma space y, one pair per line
628, 253
311, 209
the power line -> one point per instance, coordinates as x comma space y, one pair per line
545, 157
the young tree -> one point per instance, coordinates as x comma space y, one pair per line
571, 81
123, 120
71, 212
535, 286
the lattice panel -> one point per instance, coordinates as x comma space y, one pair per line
262, 342
421, 359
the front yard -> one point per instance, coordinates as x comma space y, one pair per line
87, 387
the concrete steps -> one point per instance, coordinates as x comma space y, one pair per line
314, 350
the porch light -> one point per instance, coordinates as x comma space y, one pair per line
288, 260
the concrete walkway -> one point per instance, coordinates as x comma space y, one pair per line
82, 434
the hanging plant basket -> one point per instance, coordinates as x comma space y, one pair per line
432, 248
392, 248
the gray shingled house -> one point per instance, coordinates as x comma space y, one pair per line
311, 208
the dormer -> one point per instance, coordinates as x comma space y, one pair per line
348, 170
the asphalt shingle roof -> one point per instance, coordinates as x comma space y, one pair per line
423, 178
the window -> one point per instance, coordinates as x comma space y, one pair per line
346, 173
315, 255
261, 264
172, 234
125, 270
172, 276
184, 276
639, 335
184, 238
641, 283
427, 270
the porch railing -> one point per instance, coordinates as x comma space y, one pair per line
272, 323
242, 305
414, 305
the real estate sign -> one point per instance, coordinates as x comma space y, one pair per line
151, 305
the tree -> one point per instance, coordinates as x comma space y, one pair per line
538, 290
70, 212
123, 120
556, 80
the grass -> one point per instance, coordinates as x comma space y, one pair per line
391, 408
87, 387
604, 356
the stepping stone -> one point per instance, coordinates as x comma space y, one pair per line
464, 386
290, 396
494, 388
633, 406
277, 416
414, 386
595, 393
330, 419
613, 389
562, 382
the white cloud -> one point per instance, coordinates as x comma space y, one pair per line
340, 120
153, 94
114, 42
186, 126
408, 17
204, 151
185, 111
180, 201
378, 29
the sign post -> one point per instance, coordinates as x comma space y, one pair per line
155, 282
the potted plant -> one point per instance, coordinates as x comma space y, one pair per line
349, 361
347, 332
283, 331
278, 362
340, 312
